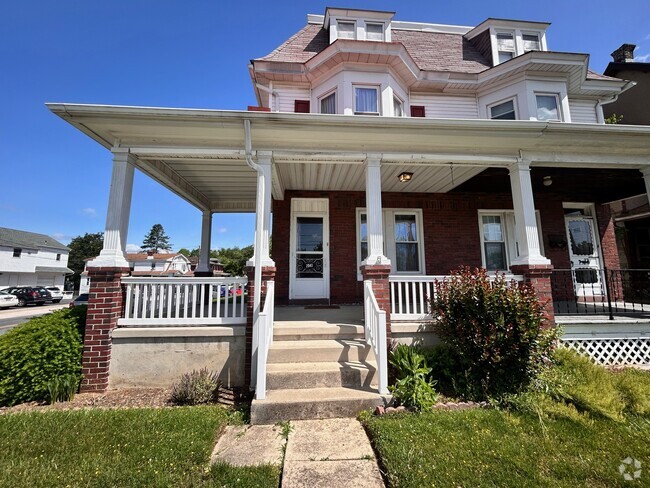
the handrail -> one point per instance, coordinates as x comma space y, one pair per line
265, 339
375, 333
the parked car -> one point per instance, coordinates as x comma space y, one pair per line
27, 295
57, 294
8, 300
80, 300
47, 296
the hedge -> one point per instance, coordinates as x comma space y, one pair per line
38, 352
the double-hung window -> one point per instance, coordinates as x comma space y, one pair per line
503, 111
328, 104
499, 246
346, 30
374, 32
547, 107
531, 42
403, 239
366, 100
505, 46
398, 107
17, 252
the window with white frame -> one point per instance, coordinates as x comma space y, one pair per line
505, 46
499, 246
403, 239
398, 107
374, 32
503, 111
530, 42
547, 107
328, 103
346, 30
366, 100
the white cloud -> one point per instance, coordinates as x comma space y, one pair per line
647, 38
642, 59
132, 248
222, 230
90, 212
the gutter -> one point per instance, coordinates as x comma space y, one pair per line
612, 99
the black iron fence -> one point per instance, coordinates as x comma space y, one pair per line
601, 291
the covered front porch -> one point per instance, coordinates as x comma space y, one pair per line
364, 210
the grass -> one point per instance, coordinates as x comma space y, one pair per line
497, 448
123, 448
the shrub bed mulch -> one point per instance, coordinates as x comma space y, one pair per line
124, 398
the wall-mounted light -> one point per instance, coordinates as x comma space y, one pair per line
405, 177
547, 181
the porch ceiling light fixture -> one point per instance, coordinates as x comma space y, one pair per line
405, 177
547, 181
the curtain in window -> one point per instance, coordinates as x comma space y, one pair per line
328, 104
547, 107
406, 243
366, 100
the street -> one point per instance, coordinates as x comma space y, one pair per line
9, 318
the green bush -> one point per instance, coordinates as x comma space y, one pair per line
33, 354
494, 331
196, 387
413, 388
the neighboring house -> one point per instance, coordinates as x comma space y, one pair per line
632, 215
215, 266
30, 259
394, 152
148, 265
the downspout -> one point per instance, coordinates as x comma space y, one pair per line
273, 93
605, 101
257, 284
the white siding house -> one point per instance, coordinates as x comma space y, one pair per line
29, 259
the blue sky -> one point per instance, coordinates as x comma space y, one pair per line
194, 53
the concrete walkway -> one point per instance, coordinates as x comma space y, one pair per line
328, 453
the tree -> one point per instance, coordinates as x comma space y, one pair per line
82, 248
614, 119
156, 240
234, 259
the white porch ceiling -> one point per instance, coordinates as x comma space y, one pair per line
199, 154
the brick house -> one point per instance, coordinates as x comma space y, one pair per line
389, 153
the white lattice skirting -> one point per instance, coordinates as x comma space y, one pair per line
613, 351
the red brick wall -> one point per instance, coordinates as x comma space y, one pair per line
450, 226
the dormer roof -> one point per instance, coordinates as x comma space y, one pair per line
355, 13
506, 23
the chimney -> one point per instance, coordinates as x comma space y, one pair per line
624, 54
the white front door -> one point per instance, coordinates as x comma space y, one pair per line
309, 255
584, 255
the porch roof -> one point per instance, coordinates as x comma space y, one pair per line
199, 154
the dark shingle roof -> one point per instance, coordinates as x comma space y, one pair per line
29, 240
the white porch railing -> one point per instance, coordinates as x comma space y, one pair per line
375, 332
265, 339
184, 301
410, 295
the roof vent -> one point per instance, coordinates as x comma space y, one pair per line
624, 54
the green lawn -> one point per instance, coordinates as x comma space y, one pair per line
124, 448
495, 448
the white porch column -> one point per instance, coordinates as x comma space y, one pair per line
206, 239
263, 210
525, 219
117, 216
374, 217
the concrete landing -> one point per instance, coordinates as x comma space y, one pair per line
249, 445
330, 453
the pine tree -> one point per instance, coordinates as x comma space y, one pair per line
156, 240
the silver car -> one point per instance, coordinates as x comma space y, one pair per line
57, 294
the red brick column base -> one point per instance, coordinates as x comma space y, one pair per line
268, 274
104, 309
378, 274
539, 277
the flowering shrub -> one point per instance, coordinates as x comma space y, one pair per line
494, 330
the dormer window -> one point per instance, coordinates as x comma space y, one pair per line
346, 30
505, 46
531, 42
366, 100
374, 32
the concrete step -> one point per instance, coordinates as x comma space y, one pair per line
350, 374
313, 403
292, 331
318, 351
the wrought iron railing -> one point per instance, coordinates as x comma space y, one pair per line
601, 291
